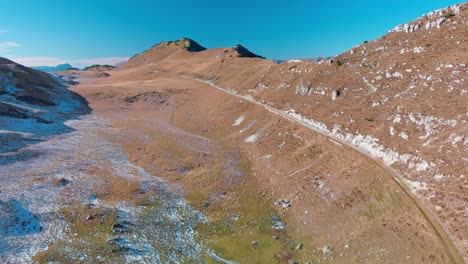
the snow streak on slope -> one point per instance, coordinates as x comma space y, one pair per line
368, 146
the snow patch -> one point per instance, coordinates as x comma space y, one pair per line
420, 166
294, 61
416, 186
239, 120
252, 138
418, 49
302, 89
403, 135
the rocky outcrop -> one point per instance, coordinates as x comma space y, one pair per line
245, 53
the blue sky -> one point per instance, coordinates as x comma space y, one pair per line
84, 32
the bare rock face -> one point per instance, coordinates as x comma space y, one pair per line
190, 45
431, 20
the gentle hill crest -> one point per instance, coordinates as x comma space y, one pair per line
185, 48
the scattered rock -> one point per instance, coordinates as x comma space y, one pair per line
335, 94
327, 251
255, 242
234, 217
183, 169
43, 121
122, 245
299, 247
154, 97
122, 226
61, 182
282, 203
277, 224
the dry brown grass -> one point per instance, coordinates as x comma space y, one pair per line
89, 230
112, 189
116, 189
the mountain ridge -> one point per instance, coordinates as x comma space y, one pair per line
60, 67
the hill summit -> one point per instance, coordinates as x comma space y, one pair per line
189, 44
245, 53
186, 48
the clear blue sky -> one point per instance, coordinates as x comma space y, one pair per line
87, 29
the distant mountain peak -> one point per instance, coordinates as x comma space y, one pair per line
60, 67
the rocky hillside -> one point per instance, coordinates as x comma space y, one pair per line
400, 99
33, 106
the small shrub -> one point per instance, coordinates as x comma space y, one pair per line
449, 15
365, 41
339, 62
370, 119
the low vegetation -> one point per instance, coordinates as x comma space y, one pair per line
86, 239
449, 15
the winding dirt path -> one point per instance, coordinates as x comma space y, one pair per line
448, 243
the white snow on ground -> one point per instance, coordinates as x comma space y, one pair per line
416, 186
29, 120
440, 177
430, 124
34, 110
420, 166
364, 143
239, 120
403, 135
220, 259
27, 208
24, 134
418, 49
456, 139
252, 138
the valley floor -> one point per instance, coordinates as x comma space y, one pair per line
337, 204
174, 170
